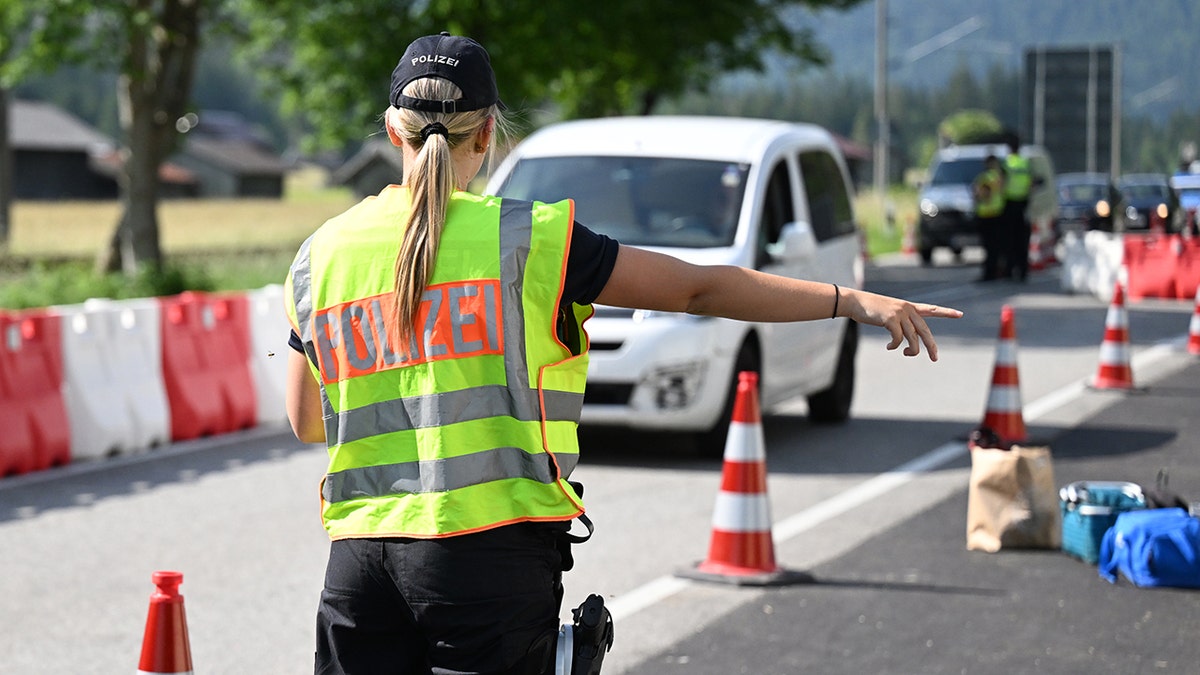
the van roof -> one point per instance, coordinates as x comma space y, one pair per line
981, 150
731, 139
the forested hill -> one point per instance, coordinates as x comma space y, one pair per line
1158, 40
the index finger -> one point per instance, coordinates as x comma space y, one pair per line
937, 311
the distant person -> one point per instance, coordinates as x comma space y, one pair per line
439, 353
1017, 184
988, 192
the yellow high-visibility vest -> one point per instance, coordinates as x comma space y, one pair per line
472, 425
1017, 180
989, 194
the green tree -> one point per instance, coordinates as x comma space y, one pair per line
152, 44
970, 126
584, 59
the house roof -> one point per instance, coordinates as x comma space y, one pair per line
36, 125
234, 154
376, 148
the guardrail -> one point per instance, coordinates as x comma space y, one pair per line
115, 377
1151, 265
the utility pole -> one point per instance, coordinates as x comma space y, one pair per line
6, 167
882, 123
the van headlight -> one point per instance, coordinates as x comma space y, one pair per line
929, 208
675, 388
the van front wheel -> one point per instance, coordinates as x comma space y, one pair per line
832, 405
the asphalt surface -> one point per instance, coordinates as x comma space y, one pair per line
914, 600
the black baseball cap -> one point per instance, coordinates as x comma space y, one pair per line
461, 60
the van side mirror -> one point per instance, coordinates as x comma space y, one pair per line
796, 243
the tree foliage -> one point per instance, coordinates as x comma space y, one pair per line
970, 126
581, 59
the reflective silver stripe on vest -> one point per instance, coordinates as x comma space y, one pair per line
302, 297
441, 475
302, 289
435, 410
516, 234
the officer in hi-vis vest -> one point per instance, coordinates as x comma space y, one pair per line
988, 191
439, 353
1017, 184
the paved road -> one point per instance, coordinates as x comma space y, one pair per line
874, 508
913, 600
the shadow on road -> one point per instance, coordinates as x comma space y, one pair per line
86, 483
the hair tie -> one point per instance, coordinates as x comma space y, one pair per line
434, 128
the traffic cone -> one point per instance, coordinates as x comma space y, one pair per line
1004, 411
742, 550
908, 244
165, 647
1193, 346
1115, 371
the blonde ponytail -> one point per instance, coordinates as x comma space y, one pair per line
430, 183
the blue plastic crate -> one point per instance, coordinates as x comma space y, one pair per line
1089, 508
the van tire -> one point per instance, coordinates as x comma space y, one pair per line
711, 443
832, 405
927, 256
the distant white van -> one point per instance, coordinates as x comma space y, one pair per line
947, 210
763, 194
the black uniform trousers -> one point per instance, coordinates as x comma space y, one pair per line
992, 236
1018, 232
474, 604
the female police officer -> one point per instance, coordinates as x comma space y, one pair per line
439, 353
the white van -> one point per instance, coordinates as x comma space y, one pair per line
764, 194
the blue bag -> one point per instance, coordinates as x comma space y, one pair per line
1153, 547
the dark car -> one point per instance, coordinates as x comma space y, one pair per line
1149, 199
1087, 201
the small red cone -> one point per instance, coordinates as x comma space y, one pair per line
1193, 345
165, 647
1004, 410
1115, 371
742, 550
908, 244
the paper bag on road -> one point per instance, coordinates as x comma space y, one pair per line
1012, 501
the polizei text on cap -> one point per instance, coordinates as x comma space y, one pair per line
434, 58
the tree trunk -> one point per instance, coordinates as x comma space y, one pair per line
153, 93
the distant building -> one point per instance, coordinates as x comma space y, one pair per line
230, 158
53, 152
376, 165
57, 156
858, 159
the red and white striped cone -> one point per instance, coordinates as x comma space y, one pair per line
742, 550
1193, 345
1004, 410
1037, 259
165, 646
1115, 371
908, 240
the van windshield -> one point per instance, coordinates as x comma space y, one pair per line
640, 201
960, 171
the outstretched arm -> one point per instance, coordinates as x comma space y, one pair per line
647, 280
